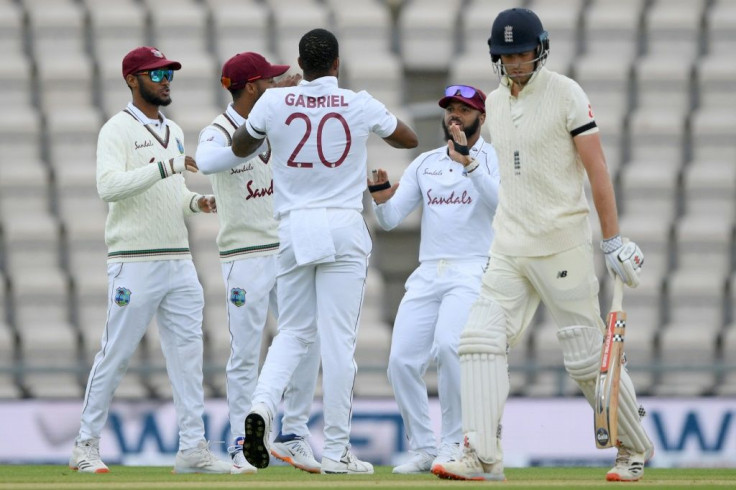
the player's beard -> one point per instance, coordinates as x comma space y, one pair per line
468, 130
151, 97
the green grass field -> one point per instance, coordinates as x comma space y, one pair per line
49, 477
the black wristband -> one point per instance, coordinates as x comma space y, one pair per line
462, 149
379, 187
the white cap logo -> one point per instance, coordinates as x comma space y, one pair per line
157, 53
508, 34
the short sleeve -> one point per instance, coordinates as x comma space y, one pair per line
382, 121
258, 118
580, 119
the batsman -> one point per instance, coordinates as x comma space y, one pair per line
544, 131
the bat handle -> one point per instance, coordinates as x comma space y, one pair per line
618, 294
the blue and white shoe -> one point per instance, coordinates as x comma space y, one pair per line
240, 464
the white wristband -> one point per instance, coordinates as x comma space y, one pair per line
178, 164
472, 165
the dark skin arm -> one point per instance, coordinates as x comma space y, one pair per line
402, 137
243, 143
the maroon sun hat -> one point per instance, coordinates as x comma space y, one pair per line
248, 67
146, 58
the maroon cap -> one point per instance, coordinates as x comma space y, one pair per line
248, 67
466, 94
146, 58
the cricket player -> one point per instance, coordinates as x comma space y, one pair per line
140, 159
318, 133
547, 141
456, 186
248, 243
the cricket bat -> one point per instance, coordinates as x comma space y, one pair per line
607, 384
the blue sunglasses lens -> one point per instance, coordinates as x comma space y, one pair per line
463, 90
158, 75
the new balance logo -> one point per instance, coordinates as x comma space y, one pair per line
561, 274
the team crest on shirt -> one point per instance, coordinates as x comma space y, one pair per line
122, 297
237, 296
180, 145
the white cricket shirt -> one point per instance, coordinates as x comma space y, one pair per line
457, 207
542, 206
243, 190
318, 134
146, 213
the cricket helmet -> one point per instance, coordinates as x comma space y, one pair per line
518, 30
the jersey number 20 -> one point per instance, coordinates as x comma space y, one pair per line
292, 162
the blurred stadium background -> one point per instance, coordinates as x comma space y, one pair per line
657, 73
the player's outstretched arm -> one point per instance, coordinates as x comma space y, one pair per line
244, 145
402, 137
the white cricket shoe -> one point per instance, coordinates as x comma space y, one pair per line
85, 457
256, 446
629, 465
448, 452
420, 462
240, 464
297, 452
200, 460
469, 467
348, 465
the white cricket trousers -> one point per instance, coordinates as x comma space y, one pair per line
255, 278
170, 290
428, 324
332, 294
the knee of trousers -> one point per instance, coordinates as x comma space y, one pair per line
581, 351
402, 367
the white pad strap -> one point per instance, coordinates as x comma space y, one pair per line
484, 385
581, 351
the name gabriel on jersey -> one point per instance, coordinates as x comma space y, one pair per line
315, 102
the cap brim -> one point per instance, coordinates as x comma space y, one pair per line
174, 65
276, 70
445, 101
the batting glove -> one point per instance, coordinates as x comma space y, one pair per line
623, 259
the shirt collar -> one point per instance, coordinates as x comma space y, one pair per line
234, 115
145, 119
531, 85
325, 81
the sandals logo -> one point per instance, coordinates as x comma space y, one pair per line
237, 297
122, 297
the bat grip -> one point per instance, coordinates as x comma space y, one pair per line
618, 294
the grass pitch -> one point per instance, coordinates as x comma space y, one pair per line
28, 477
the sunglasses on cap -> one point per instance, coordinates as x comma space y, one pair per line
158, 75
463, 90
